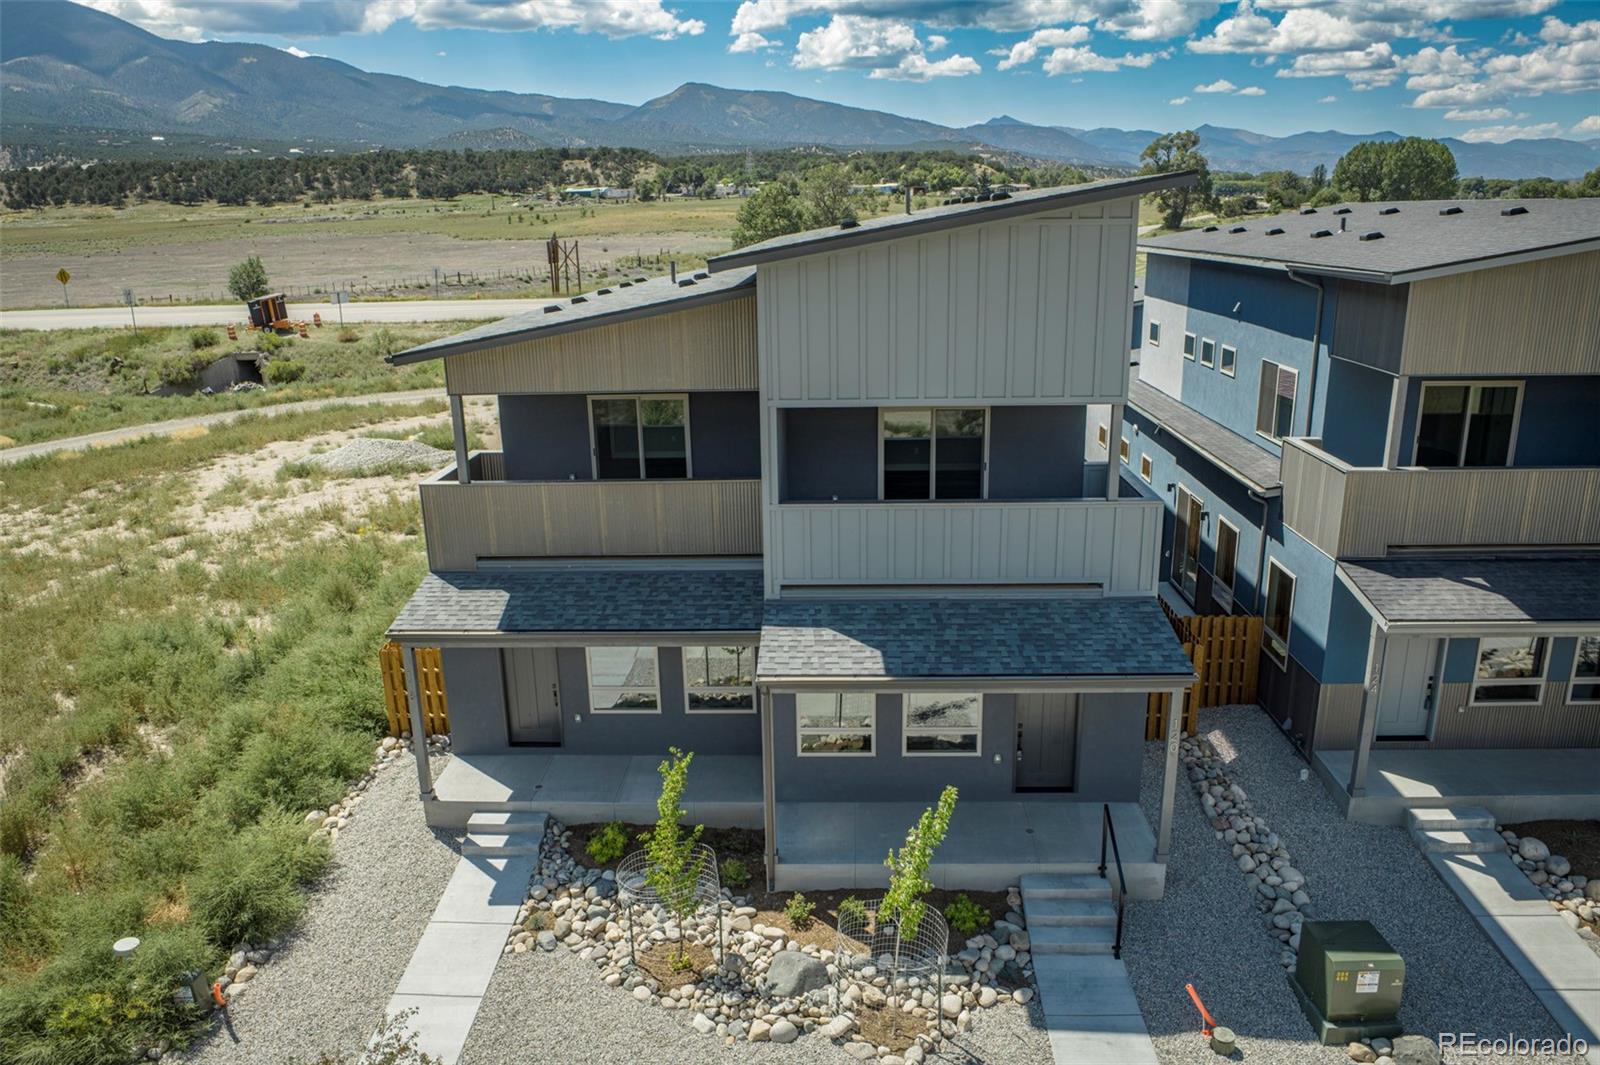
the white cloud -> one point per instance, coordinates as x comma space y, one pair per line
1251, 90
1568, 61
1587, 126
885, 48
1481, 114
298, 53
918, 67
1076, 60
1178, 101
936, 42
1138, 20
1328, 100
1501, 134
1220, 85
1026, 51
441, 55
1372, 65
750, 42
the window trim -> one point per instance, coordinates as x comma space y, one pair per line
1232, 367
1266, 613
1125, 452
1226, 602
1473, 386
1102, 435
1294, 403
689, 689
1189, 346
933, 450
1146, 467
906, 729
1208, 353
638, 398
1538, 682
1153, 333
588, 666
1572, 674
870, 730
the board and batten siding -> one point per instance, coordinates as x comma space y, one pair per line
706, 348
1540, 317
1030, 310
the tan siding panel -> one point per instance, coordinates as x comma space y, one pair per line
1458, 726
1313, 496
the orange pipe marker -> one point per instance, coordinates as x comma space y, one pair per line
1201, 1006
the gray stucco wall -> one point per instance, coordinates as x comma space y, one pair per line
545, 438
1109, 749
474, 689
1036, 452
830, 452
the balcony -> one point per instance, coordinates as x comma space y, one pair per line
1109, 544
493, 518
1362, 512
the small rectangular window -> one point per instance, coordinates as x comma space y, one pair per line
623, 680
1145, 468
1229, 360
1275, 400
719, 680
1102, 434
1222, 571
1208, 353
1155, 334
1585, 687
942, 723
1280, 611
1188, 345
835, 723
1122, 450
1510, 670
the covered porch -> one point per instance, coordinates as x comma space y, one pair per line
1514, 785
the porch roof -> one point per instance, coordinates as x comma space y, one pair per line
1231, 453
883, 639
582, 600
1445, 591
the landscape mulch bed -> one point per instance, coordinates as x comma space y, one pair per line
1576, 841
656, 960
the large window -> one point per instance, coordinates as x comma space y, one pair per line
640, 437
942, 723
1466, 424
933, 454
1227, 556
1280, 612
1275, 400
719, 680
624, 680
1585, 687
835, 723
1510, 670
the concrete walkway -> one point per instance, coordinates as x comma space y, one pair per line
450, 970
1558, 968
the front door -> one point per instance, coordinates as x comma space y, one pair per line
1047, 742
1406, 695
533, 697
1186, 543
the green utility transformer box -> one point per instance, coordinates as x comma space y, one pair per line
1348, 980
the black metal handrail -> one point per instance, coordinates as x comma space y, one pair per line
1109, 829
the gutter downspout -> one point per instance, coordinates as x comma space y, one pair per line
1316, 344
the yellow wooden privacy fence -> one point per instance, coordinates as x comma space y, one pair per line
1226, 652
430, 688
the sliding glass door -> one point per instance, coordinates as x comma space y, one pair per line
933, 454
640, 437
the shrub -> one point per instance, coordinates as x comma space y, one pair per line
965, 916
538, 921
735, 873
852, 909
202, 338
182, 370
282, 371
799, 911
607, 845
384, 343
248, 887
348, 334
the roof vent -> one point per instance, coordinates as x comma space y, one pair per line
1374, 235
1000, 196
1450, 210
686, 282
639, 280
1388, 210
580, 299
1322, 233
1211, 229
701, 275
551, 308
849, 223
1341, 210
1238, 229
984, 197
602, 292
1509, 211
624, 284
1308, 210
1275, 231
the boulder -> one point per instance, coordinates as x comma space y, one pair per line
793, 973
1557, 866
784, 1032
1532, 850
1415, 1050
1361, 1052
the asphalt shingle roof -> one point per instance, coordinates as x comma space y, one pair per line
1457, 589
618, 302
584, 600
933, 638
1227, 450
1416, 236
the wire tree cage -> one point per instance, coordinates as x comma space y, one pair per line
916, 960
635, 890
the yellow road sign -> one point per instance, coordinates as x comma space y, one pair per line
62, 275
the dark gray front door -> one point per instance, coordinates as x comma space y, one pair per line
533, 699
1047, 742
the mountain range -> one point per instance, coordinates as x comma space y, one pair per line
66, 67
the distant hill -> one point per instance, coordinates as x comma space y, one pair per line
81, 84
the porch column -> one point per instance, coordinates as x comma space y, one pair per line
458, 428
1169, 777
1113, 462
1369, 714
769, 810
419, 742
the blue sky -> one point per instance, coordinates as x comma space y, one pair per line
1477, 69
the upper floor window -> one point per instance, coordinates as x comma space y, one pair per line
942, 723
640, 437
1229, 359
1280, 612
1122, 450
1585, 687
1227, 555
933, 454
1208, 352
1510, 669
1275, 400
1155, 334
1101, 435
623, 680
1188, 345
1145, 468
1467, 424
719, 680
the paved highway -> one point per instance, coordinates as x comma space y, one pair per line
224, 313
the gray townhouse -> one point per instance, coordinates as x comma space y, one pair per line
1374, 425
821, 514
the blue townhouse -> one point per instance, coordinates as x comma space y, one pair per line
1374, 425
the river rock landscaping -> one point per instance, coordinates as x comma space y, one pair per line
761, 978
1574, 895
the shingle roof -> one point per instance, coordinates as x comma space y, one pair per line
930, 219
1226, 449
618, 302
1449, 589
1417, 237
584, 600
933, 638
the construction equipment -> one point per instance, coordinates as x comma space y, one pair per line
270, 312
1349, 981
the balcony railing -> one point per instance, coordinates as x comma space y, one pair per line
490, 518
1358, 511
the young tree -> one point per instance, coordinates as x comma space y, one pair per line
1418, 168
248, 279
908, 868
673, 872
1171, 152
1359, 172
775, 209
1319, 178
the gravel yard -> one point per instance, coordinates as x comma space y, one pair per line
327, 988
552, 1008
1207, 930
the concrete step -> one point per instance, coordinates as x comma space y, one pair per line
499, 845
1437, 818
510, 822
1047, 912
1071, 939
1064, 886
1459, 841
